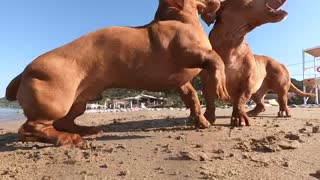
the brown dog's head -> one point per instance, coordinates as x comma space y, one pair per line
252, 13
208, 15
168, 9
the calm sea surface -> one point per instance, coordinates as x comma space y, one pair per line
11, 114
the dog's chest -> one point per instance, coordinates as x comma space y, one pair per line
233, 74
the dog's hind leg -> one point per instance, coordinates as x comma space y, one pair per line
209, 97
239, 116
43, 103
185, 100
44, 131
67, 123
258, 98
283, 107
189, 95
260, 107
38, 128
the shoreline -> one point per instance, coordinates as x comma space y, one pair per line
18, 116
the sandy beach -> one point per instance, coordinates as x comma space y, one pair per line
161, 145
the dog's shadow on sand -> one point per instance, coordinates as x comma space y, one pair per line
168, 124
8, 138
315, 175
146, 125
11, 141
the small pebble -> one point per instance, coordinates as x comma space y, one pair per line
104, 166
316, 129
245, 156
292, 136
203, 157
309, 124
302, 130
286, 164
219, 151
121, 146
289, 145
160, 169
123, 173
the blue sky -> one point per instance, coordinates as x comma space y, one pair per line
31, 28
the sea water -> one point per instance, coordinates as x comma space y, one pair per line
7, 114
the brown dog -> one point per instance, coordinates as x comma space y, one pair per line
53, 90
234, 20
170, 11
278, 80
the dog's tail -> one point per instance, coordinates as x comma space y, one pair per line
299, 92
12, 89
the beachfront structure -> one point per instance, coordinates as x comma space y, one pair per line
144, 100
95, 106
139, 101
311, 72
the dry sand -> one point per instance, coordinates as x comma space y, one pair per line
160, 145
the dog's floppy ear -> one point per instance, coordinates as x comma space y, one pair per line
208, 18
209, 14
176, 3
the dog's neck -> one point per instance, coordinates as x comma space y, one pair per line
188, 14
228, 38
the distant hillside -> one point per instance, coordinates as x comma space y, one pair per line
6, 104
296, 99
298, 84
171, 96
